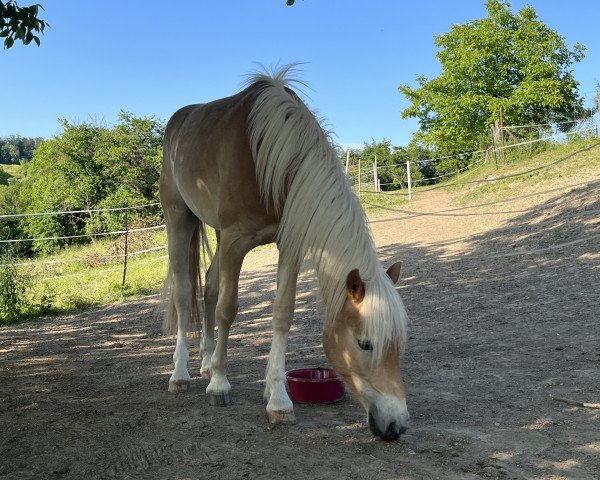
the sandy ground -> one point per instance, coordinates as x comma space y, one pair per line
504, 308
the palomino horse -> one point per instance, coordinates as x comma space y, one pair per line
259, 168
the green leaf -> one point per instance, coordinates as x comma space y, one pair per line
8, 42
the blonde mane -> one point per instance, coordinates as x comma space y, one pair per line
299, 171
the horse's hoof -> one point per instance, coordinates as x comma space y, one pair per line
282, 417
219, 399
177, 386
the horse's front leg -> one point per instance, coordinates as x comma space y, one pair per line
231, 256
280, 408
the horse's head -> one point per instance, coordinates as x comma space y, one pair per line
364, 344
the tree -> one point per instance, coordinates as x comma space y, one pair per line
10, 203
391, 164
507, 60
20, 23
15, 149
88, 167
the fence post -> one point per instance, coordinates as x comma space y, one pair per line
494, 144
347, 159
409, 180
375, 176
501, 130
359, 176
126, 245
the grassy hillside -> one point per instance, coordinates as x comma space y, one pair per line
13, 171
561, 164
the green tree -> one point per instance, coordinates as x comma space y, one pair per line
507, 60
15, 149
391, 163
88, 167
20, 23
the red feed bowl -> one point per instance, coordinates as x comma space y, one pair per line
315, 385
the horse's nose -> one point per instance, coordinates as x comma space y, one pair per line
394, 431
391, 433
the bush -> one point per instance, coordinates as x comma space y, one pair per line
13, 289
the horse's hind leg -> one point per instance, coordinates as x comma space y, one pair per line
181, 225
279, 407
211, 296
232, 251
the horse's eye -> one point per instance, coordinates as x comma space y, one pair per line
365, 345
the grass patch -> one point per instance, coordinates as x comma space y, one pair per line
14, 172
80, 277
525, 174
372, 203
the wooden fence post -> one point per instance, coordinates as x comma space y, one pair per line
126, 245
494, 144
347, 159
359, 176
501, 130
375, 175
409, 180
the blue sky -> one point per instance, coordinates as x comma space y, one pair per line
150, 58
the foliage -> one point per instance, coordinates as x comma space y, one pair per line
13, 287
507, 60
11, 227
20, 23
88, 167
15, 149
391, 162
3, 177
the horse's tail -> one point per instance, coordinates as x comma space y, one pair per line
197, 243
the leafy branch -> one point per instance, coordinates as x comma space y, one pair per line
20, 23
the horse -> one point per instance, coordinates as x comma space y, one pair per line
259, 168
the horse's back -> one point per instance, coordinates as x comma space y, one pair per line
208, 162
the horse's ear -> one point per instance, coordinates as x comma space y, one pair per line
394, 272
355, 286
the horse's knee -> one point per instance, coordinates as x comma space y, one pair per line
226, 312
283, 314
211, 295
182, 290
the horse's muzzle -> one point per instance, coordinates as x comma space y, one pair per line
392, 432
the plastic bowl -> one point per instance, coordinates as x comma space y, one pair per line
315, 385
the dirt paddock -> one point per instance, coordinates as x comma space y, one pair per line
504, 316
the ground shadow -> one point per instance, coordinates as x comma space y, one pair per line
500, 328
496, 330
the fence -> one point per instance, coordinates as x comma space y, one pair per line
125, 234
367, 177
